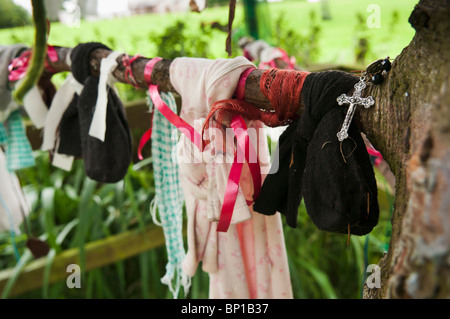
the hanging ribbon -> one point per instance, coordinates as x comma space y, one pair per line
232, 188
171, 116
243, 142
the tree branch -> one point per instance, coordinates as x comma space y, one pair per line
160, 74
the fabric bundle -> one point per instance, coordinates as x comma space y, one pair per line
12, 129
94, 125
249, 260
168, 198
264, 53
18, 152
7, 54
59, 106
335, 179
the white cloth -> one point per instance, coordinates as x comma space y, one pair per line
34, 106
60, 102
262, 51
12, 199
98, 124
249, 260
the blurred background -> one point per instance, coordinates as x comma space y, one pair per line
94, 224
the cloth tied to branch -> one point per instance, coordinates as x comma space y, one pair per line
335, 179
94, 125
249, 259
168, 198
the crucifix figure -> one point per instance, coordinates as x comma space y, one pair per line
354, 101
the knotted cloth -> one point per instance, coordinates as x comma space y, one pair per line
105, 160
335, 179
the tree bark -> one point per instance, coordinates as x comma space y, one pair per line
410, 126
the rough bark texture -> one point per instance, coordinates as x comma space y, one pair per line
410, 126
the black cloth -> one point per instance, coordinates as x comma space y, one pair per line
105, 161
335, 179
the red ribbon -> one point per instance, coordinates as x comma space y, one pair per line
376, 154
172, 117
243, 142
242, 137
18, 66
128, 71
232, 188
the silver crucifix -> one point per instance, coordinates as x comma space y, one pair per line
354, 101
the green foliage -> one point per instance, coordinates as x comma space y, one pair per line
68, 210
212, 3
362, 43
303, 45
12, 15
175, 41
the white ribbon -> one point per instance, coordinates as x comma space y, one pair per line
59, 105
98, 124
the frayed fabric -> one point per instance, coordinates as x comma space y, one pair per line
335, 179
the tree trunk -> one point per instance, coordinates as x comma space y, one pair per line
410, 126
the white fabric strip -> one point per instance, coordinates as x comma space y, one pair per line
35, 107
59, 105
98, 124
13, 197
62, 161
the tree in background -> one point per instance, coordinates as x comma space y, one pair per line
12, 15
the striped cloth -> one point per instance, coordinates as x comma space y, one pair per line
169, 197
13, 137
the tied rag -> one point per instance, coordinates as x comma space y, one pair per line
169, 198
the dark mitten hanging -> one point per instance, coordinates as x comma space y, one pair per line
105, 161
335, 178
69, 128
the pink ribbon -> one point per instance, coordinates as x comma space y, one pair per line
376, 154
243, 142
172, 117
232, 188
18, 66
128, 71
